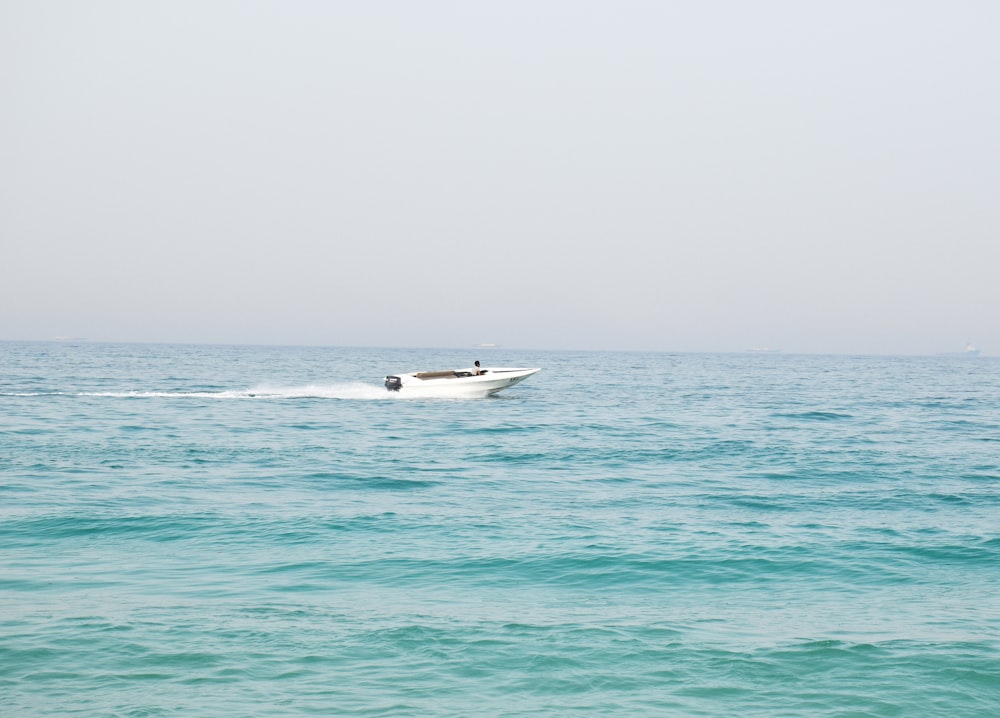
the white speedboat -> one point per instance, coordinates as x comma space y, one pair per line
457, 382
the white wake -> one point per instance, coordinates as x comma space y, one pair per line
352, 390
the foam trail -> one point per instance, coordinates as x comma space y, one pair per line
353, 390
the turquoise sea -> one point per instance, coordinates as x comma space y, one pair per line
265, 531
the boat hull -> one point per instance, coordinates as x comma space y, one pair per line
458, 383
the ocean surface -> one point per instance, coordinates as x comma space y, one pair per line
265, 531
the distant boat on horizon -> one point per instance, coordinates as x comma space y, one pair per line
969, 351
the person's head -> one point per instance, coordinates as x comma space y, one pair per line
477, 362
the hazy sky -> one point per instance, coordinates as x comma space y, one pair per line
810, 176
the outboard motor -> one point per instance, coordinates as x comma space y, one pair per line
393, 383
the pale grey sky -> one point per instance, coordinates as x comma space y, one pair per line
810, 176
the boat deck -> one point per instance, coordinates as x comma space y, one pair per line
442, 374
